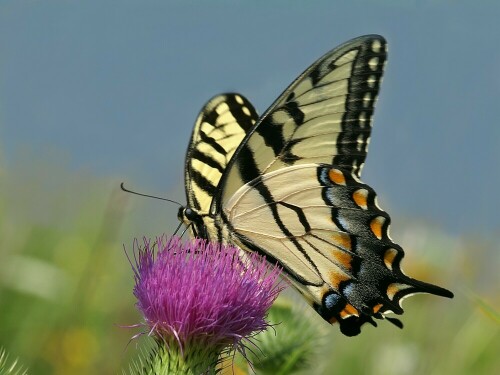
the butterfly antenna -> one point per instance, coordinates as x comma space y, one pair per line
122, 186
177, 229
185, 230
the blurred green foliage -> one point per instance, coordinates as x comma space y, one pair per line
66, 286
8, 367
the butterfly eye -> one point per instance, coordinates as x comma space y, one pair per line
190, 214
186, 213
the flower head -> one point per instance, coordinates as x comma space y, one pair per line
198, 295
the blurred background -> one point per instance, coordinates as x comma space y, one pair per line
97, 92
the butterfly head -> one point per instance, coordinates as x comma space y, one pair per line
191, 218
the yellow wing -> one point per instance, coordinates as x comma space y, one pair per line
219, 129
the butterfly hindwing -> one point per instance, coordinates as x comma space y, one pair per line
324, 227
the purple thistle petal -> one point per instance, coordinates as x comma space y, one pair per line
201, 292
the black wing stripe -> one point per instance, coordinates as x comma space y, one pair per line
212, 142
203, 183
245, 120
247, 166
208, 160
273, 137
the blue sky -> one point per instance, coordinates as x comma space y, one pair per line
113, 87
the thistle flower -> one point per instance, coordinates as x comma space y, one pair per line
199, 300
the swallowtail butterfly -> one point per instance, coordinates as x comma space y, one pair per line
287, 185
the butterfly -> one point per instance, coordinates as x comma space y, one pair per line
287, 185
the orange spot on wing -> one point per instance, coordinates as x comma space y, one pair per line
342, 258
342, 239
389, 256
336, 277
376, 308
392, 289
336, 176
360, 198
349, 310
376, 226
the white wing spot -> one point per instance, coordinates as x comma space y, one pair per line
376, 45
362, 119
373, 63
388, 234
246, 111
372, 80
360, 142
360, 168
239, 99
367, 99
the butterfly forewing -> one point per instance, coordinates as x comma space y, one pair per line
324, 116
219, 129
